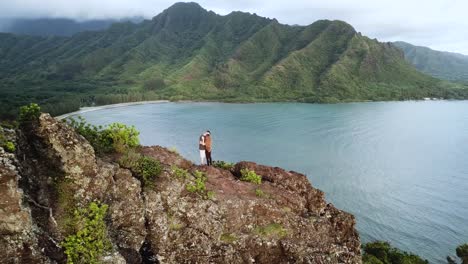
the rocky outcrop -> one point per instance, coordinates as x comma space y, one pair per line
282, 220
18, 243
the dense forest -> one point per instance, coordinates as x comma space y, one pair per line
189, 53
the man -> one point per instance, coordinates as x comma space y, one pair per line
202, 147
208, 148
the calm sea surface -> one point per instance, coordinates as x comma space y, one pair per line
400, 167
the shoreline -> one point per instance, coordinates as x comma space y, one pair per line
100, 107
86, 109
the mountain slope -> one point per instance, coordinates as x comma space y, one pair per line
56, 26
443, 65
187, 52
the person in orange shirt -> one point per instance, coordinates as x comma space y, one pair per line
208, 144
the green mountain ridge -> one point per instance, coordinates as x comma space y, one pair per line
440, 64
57, 26
189, 53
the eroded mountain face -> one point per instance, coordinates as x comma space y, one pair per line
55, 171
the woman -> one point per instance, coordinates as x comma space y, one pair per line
202, 147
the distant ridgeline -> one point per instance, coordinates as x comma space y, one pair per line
187, 52
443, 65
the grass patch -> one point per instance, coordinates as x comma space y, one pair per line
228, 238
260, 193
250, 176
271, 230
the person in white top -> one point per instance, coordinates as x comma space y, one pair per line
202, 148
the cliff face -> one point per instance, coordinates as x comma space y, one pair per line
55, 170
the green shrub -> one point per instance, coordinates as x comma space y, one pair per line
199, 187
462, 252
250, 176
383, 252
123, 136
9, 146
97, 137
29, 112
114, 137
223, 165
90, 240
178, 172
148, 169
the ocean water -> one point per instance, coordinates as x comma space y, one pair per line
400, 167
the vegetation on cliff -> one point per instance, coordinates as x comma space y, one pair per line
383, 253
462, 252
90, 240
187, 52
114, 137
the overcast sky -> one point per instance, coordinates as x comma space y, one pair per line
439, 24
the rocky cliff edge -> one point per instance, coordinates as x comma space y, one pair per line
55, 171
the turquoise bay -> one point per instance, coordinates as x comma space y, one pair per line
400, 167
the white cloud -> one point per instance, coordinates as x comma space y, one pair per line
440, 24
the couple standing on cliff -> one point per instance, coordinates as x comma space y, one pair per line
204, 145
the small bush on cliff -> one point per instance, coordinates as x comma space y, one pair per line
123, 136
223, 164
9, 146
29, 113
90, 241
144, 167
462, 252
129, 159
199, 187
148, 169
114, 137
179, 172
250, 176
383, 253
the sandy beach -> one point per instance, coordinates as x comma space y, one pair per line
94, 108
